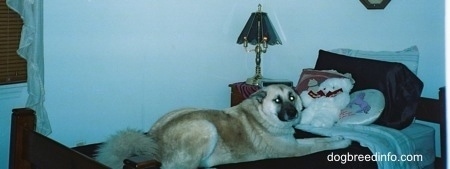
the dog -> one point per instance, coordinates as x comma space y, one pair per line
261, 127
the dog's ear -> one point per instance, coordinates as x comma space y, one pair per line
259, 95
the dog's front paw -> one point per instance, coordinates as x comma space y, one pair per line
341, 142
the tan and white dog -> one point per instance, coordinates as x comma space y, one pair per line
260, 127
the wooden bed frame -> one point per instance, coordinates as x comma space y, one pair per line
29, 149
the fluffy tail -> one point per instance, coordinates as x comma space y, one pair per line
125, 144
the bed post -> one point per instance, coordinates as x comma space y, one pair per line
443, 126
22, 119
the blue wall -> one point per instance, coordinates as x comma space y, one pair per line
112, 64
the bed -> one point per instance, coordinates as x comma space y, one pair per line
29, 149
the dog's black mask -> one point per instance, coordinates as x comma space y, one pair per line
287, 112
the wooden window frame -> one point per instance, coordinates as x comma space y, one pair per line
13, 68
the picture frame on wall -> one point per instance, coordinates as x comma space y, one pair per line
375, 4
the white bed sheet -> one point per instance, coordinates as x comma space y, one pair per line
423, 138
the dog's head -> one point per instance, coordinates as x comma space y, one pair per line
279, 102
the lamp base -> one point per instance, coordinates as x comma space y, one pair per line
255, 80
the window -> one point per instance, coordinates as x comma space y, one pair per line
13, 68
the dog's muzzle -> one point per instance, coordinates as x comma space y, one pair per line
287, 112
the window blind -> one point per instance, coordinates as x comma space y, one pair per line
13, 68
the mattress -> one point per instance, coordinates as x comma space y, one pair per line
423, 139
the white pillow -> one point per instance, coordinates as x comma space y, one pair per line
409, 56
364, 108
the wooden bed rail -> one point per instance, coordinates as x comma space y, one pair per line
29, 149
141, 162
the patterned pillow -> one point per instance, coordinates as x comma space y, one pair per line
364, 108
310, 79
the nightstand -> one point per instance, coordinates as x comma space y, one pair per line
240, 91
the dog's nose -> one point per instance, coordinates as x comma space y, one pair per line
287, 112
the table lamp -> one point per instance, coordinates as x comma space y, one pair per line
259, 32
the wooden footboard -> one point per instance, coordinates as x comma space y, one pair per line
29, 149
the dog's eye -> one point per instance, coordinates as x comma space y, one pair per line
277, 100
291, 98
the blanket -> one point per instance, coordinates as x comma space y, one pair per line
389, 146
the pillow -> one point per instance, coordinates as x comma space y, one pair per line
364, 108
409, 56
401, 88
310, 79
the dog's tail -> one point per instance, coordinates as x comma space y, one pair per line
124, 144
